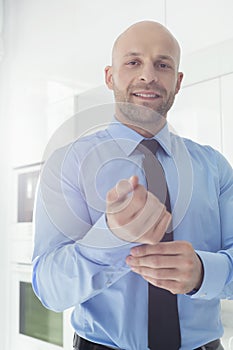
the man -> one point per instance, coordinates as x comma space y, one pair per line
100, 229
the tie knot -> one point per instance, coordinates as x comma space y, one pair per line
151, 145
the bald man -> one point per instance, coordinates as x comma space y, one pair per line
104, 237
133, 69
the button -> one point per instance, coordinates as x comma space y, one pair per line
203, 295
108, 283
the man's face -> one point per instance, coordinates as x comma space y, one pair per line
144, 73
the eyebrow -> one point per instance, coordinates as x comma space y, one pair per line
166, 57
133, 54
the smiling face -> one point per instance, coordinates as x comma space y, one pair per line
144, 73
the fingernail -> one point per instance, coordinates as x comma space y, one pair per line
129, 260
134, 251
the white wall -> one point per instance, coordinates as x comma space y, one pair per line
4, 187
199, 24
203, 108
227, 115
1, 29
4, 205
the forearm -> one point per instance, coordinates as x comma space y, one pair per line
66, 276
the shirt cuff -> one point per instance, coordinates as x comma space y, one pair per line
102, 246
100, 236
216, 272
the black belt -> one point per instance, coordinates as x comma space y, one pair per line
213, 345
83, 344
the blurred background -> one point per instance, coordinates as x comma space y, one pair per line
52, 57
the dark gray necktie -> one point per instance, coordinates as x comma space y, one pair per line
163, 319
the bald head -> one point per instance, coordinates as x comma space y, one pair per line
144, 72
146, 34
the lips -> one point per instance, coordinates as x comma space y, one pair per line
147, 94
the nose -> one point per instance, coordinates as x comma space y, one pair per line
148, 73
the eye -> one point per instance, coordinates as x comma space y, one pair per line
163, 65
132, 63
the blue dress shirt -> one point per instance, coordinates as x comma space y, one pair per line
78, 262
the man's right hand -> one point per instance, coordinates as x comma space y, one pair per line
135, 214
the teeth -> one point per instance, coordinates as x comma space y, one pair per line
147, 95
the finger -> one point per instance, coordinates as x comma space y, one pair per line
158, 274
135, 203
134, 181
156, 233
136, 215
147, 218
161, 248
119, 192
154, 261
125, 186
122, 189
126, 199
170, 285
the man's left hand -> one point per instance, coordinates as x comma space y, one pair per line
174, 266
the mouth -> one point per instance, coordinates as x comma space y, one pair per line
147, 95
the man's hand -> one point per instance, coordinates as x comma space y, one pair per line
134, 214
170, 265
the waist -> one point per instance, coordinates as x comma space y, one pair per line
84, 344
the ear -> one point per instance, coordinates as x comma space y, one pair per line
179, 80
108, 77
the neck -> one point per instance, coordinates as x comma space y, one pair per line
147, 130
138, 129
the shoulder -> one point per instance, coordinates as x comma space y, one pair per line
78, 148
91, 139
195, 149
207, 159
207, 153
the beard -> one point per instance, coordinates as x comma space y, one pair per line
143, 114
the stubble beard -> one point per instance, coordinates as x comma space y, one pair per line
143, 115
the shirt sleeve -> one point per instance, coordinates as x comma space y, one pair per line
218, 267
74, 259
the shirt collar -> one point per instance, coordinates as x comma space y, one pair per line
128, 139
